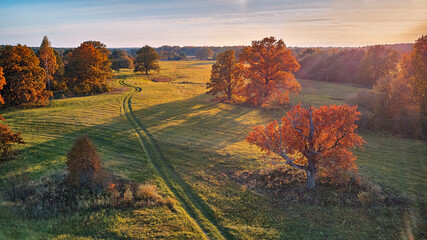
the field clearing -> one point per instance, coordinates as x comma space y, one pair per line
204, 142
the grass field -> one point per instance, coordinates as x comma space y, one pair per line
202, 141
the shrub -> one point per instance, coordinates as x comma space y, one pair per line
84, 165
372, 195
128, 195
7, 138
147, 192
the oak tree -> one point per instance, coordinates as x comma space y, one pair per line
48, 60
88, 70
146, 60
226, 75
270, 72
312, 139
7, 137
25, 79
204, 53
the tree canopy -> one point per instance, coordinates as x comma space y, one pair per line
120, 59
88, 69
25, 79
226, 75
7, 137
204, 53
48, 60
419, 61
146, 60
312, 139
378, 62
270, 72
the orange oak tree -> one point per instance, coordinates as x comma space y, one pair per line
7, 137
226, 75
312, 139
270, 72
25, 79
88, 69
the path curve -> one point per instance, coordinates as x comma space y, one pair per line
191, 202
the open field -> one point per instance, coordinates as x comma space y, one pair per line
203, 142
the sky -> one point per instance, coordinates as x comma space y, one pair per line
126, 23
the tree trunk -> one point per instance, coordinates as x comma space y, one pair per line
311, 179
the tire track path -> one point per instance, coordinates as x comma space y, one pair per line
191, 202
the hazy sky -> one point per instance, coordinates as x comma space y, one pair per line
212, 22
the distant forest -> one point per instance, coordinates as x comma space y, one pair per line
343, 64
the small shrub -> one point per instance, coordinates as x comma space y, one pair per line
147, 192
128, 195
84, 166
372, 195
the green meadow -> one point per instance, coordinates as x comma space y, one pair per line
175, 135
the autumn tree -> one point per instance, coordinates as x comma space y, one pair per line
316, 140
7, 137
146, 60
2, 83
270, 72
88, 69
25, 79
419, 61
391, 105
84, 164
59, 83
48, 60
204, 53
378, 62
226, 75
120, 59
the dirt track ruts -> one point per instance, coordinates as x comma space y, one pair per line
192, 203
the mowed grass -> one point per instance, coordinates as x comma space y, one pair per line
204, 141
49, 133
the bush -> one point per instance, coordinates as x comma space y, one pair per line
84, 166
372, 195
403, 120
7, 138
148, 192
128, 195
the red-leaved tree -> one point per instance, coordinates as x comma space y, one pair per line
312, 139
269, 72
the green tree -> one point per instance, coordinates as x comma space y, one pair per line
226, 75
146, 60
120, 59
204, 53
58, 83
48, 60
88, 70
25, 79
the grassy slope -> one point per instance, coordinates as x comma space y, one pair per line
202, 140
49, 133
